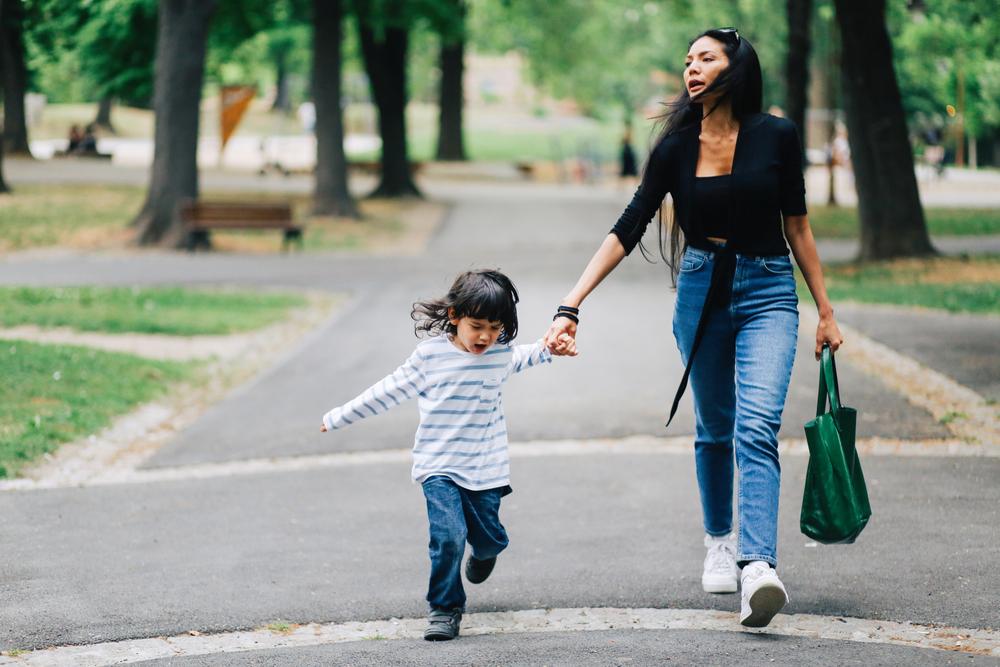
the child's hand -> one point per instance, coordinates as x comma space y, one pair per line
565, 346
323, 428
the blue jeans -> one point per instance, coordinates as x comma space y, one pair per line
457, 515
739, 381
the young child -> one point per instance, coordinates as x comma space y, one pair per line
460, 448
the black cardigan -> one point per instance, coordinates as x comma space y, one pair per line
766, 184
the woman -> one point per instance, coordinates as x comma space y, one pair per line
735, 177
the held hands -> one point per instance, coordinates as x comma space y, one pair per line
561, 337
323, 428
828, 332
565, 346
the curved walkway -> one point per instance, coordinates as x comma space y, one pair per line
653, 635
246, 517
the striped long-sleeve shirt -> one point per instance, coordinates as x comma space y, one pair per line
462, 432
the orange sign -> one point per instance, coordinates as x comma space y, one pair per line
235, 101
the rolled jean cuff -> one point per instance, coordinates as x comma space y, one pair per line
747, 558
719, 533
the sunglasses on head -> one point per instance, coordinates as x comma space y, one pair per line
731, 35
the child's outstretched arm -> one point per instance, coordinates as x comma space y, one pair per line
526, 356
402, 384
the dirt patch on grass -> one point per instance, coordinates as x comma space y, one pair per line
950, 271
934, 271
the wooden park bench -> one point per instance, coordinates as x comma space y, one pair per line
200, 217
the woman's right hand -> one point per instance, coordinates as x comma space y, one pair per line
561, 326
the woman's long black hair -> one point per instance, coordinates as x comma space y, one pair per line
741, 83
483, 294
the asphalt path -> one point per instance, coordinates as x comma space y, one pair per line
84, 565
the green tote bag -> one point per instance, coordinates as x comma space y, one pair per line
835, 506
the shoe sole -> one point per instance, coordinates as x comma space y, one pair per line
719, 586
438, 637
765, 603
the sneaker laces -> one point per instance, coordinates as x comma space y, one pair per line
720, 558
755, 571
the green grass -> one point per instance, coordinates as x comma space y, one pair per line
53, 394
953, 298
76, 215
92, 217
175, 311
947, 283
842, 222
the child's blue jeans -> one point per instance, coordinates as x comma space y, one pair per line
457, 516
739, 380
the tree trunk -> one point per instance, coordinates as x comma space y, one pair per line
15, 78
797, 65
103, 118
450, 141
331, 195
179, 74
827, 72
385, 64
3, 183
892, 220
282, 102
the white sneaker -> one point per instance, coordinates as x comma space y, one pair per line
763, 594
720, 574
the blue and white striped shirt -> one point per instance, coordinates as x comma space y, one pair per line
462, 432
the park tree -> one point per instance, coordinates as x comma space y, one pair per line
948, 54
597, 54
892, 219
330, 195
252, 33
3, 183
98, 50
15, 77
450, 24
614, 57
383, 29
182, 33
826, 59
116, 53
799, 13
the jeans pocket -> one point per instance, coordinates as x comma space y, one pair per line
780, 265
692, 263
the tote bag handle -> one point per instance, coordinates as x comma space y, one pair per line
829, 387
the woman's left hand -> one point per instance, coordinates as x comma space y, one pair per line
828, 332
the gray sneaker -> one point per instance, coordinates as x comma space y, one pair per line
443, 624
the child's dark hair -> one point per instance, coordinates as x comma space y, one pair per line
484, 294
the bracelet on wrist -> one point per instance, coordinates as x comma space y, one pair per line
568, 315
568, 309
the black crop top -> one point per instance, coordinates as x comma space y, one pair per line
766, 184
711, 205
